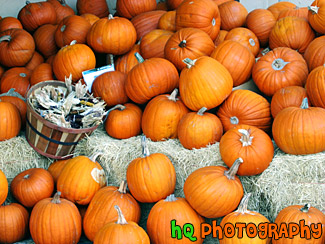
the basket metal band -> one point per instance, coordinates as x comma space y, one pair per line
50, 139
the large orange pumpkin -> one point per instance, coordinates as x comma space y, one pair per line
3, 187
232, 14
17, 78
62, 9
315, 86
9, 23
316, 16
130, 8
315, 53
10, 121
42, 72
298, 12
45, 40
96, 7
277, 7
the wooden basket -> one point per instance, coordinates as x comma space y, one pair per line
49, 139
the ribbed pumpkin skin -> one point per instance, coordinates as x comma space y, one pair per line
315, 86
298, 12
96, 7
127, 61
276, 8
148, 79
256, 156
45, 40
123, 124
237, 58
54, 223
3, 187
41, 73
20, 104
315, 53
167, 21
316, 20
290, 96
91, 18
161, 215
31, 186
61, 8
218, 2
279, 68
201, 14
19, 50
9, 23
56, 168
161, 117
80, 179
10, 121
173, 4
293, 214
211, 193
17, 78
188, 43
114, 35
261, 22
245, 107
35, 61
300, 131
197, 131
206, 84
221, 37
293, 32
130, 8
14, 220
101, 210
232, 14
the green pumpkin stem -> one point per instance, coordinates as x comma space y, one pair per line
182, 44
231, 173
246, 138
202, 111
243, 204
171, 198
110, 16
145, 149
173, 95
56, 199
139, 57
5, 38
304, 104
305, 209
122, 188
189, 62
313, 9
12, 93
121, 219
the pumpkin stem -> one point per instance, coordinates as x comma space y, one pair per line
118, 106
279, 63
304, 104
145, 149
27, 2
26, 176
121, 220
73, 42
173, 95
122, 188
234, 120
139, 57
56, 199
214, 22
63, 28
12, 93
5, 38
252, 42
62, 2
189, 62
110, 16
6, 203
171, 198
313, 9
182, 44
265, 50
202, 110
246, 139
230, 174
110, 59
305, 209
243, 204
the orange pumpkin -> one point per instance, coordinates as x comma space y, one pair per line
277, 7
3, 187
219, 2
41, 73
9, 23
157, 185
62, 9
10, 122
298, 12
315, 53
214, 191
315, 86
96, 7
221, 37
167, 21
2, 70
127, 61
100, 210
91, 18
45, 40
17, 78
129, 8
232, 14
35, 61
316, 16
56, 168
173, 4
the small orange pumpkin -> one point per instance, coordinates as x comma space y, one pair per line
9, 23
56, 168
232, 14
42, 72
62, 9
96, 7
10, 122
3, 187
35, 61
130, 8
17, 78
45, 40
315, 53
127, 61
167, 21
315, 86
316, 16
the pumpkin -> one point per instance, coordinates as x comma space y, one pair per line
290, 96
277, 7
101, 209
298, 12
110, 86
96, 7
91, 18
205, 82
161, 5
315, 86
71, 28
31, 186
13, 223
167, 21
293, 32
149, 188
199, 129
301, 215
153, 43
244, 216
80, 179
149, 78
219, 2
245, 107
251, 144
214, 191
2, 70
146, 22
315, 53
127, 61
41, 73
50, 213
316, 16
105, 36
299, 131
173, 4
220, 38
201, 14
121, 232
124, 121
35, 61
10, 23
189, 43
17, 78
3, 187
130, 8
164, 212
17, 47
45, 40
10, 122
73, 59
261, 22
279, 68
34, 15
162, 115
56, 168
62, 9
237, 58
232, 14
245, 37
50, 59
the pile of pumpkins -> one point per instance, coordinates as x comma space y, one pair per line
201, 49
